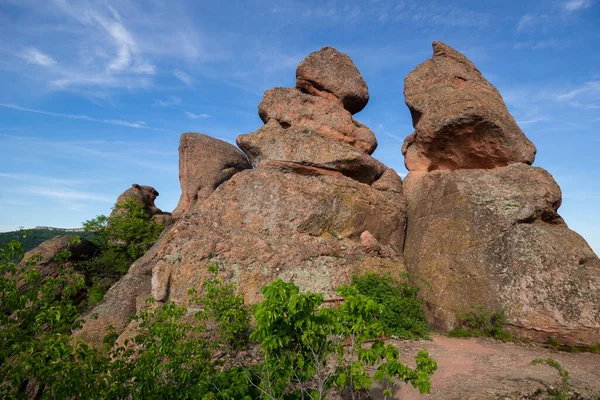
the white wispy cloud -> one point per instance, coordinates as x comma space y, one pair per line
34, 56
591, 87
532, 121
575, 5
183, 77
169, 102
525, 22
129, 124
195, 116
68, 195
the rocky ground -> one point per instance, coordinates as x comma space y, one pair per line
477, 368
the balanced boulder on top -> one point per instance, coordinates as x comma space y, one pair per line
460, 119
330, 74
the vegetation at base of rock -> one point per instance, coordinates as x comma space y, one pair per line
403, 313
479, 322
305, 349
554, 344
122, 238
561, 393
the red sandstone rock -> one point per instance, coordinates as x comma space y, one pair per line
460, 119
290, 107
204, 164
261, 225
494, 238
304, 146
332, 75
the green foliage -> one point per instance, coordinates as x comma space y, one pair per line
227, 309
478, 322
562, 393
403, 314
306, 348
31, 238
123, 238
299, 337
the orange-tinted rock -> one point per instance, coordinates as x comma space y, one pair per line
304, 146
290, 107
261, 225
389, 180
145, 196
494, 238
460, 119
332, 75
204, 164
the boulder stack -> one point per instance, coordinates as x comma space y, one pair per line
315, 209
483, 226
460, 119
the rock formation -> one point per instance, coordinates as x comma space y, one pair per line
489, 236
44, 256
145, 196
332, 75
482, 227
460, 119
290, 107
204, 164
315, 209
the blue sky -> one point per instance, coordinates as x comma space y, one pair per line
96, 93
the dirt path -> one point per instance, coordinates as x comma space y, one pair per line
488, 369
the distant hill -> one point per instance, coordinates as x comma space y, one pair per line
34, 237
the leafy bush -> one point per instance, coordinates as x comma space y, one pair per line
298, 338
307, 349
478, 322
123, 237
403, 314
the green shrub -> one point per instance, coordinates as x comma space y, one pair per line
403, 314
478, 322
298, 339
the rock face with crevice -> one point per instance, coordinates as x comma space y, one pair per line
483, 225
315, 209
460, 119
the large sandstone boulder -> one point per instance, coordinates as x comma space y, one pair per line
290, 107
460, 119
332, 75
204, 164
304, 146
261, 225
494, 238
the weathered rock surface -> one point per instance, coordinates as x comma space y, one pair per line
145, 196
389, 180
290, 107
460, 119
494, 238
44, 256
332, 75
260, 225
204, 164
304, 146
